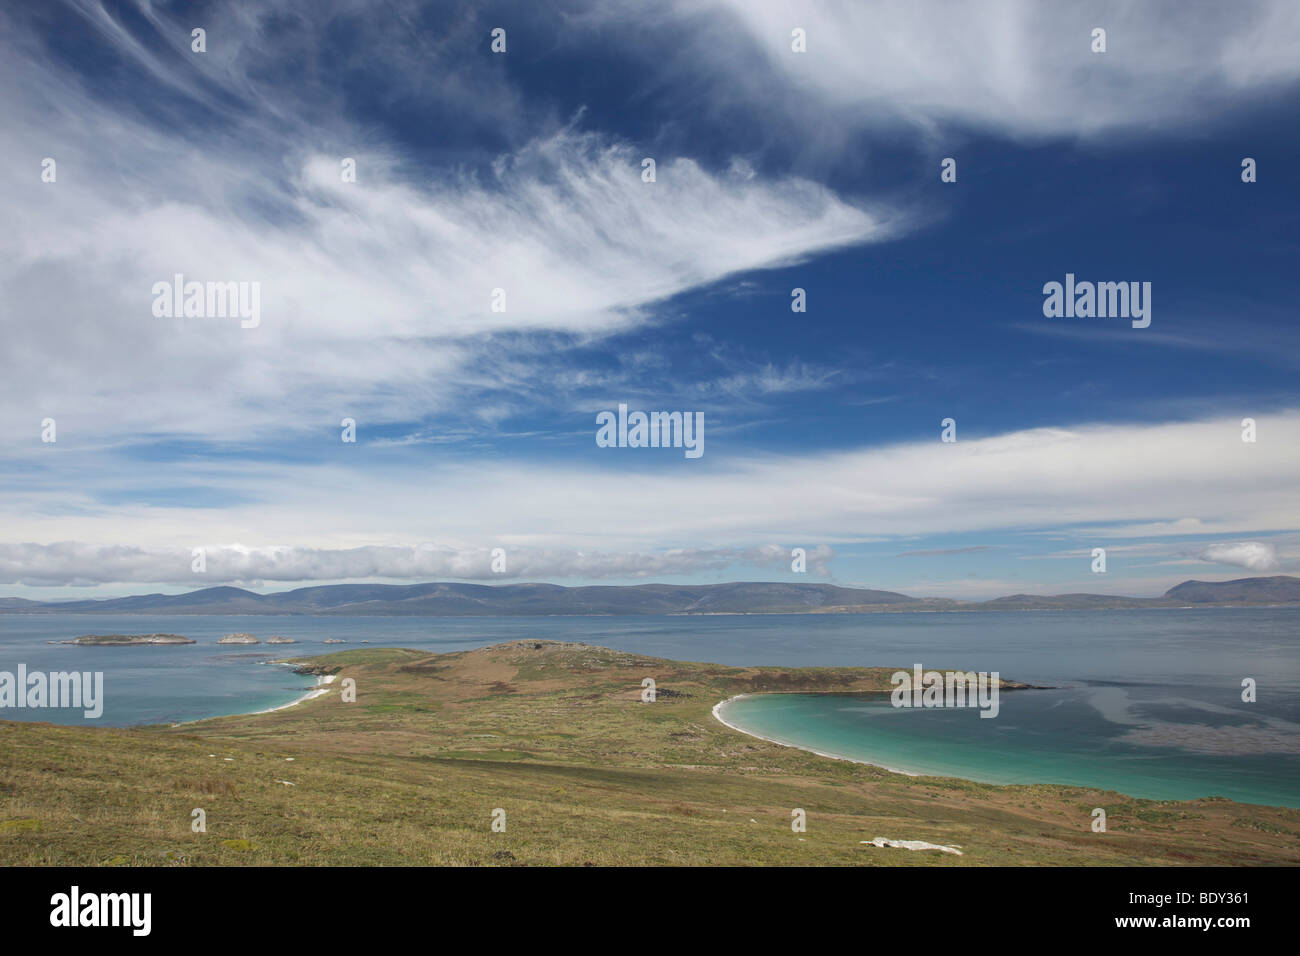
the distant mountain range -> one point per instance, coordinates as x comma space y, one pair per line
744, 597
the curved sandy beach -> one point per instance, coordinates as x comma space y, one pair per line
320, 688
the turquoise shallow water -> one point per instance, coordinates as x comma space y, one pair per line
1115, 738
1148, 701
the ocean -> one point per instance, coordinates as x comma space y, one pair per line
1147, 702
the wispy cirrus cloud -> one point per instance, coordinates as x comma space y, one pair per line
376, 294
1015, 67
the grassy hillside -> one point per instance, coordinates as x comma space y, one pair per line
557, 736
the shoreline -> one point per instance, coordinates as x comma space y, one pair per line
820, 753
322, 686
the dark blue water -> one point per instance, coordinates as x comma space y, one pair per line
1150, 687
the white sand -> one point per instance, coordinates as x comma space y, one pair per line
320, 689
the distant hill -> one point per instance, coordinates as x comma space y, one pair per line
460, 600
1067, 602
740, 597
1280, 589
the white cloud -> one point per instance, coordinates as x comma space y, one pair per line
1024, 67
1100, 479
1255, 555
76, 564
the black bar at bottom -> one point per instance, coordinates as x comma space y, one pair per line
638, 906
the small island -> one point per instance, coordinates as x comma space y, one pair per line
118, 640
239, 638
280, 640
333, 640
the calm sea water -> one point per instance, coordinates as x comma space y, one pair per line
1147, 702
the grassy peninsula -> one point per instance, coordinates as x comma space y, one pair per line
557, 736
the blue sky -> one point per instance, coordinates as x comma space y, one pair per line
775, 170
